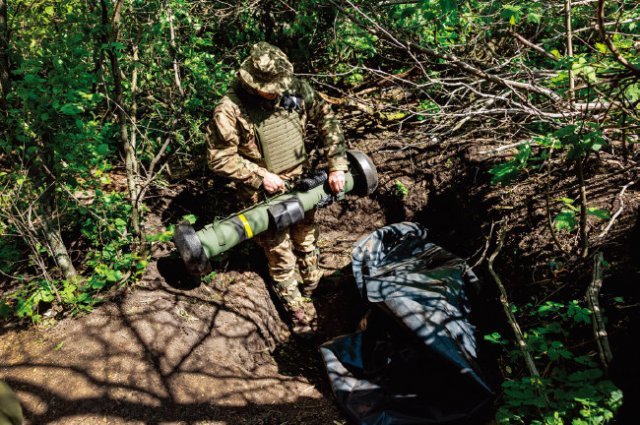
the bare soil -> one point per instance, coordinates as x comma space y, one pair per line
171, 350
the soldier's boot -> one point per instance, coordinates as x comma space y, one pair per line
302, 314
310, 273
304, 319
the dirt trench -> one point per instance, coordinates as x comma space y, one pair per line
172, 350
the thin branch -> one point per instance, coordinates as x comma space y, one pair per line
376, 29
568, 29
618, 212
599, 328
607, 40
486, 247
547, 196
174, 48
584, 237
535, 47
506, 305
505, 147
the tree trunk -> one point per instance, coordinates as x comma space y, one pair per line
129, 149
133, 169
42, 173
569, 34
174, 52
56, 246
4, 55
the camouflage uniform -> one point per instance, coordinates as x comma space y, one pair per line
234, 151
10, 410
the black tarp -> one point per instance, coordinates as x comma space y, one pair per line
413, 360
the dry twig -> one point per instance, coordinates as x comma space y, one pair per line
618, 212
599, 329
506, 305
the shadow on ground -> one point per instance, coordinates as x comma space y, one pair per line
163, 353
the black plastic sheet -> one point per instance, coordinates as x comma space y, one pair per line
414, 359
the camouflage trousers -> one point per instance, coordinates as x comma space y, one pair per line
291, 248
293, 260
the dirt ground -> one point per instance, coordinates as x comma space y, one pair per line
171, 350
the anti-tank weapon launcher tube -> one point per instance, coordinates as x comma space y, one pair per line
277, 213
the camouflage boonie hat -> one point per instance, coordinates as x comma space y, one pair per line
266, 69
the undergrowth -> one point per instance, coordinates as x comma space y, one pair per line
572, 388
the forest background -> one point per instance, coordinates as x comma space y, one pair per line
103, 104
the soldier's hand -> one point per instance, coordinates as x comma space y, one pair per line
336, 181
272, 183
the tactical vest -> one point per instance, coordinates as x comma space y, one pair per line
280, 134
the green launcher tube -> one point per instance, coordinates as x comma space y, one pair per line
280, 212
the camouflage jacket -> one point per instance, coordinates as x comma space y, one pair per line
233, 150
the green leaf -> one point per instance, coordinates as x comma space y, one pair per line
596, 145
191, 218
549, 307
508, 171
449, 5
633, 92
503, 173
585, 361
5, 310
511, 13
602, 48
557, 351
71, 109
568, 204
565, 220
102, 149
113, 276
534, 18
496, 338
585, 375
85, 95
599, 213
565, 131
578, 313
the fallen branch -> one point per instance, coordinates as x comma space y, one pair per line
505, 147
534, 46
486, 247
584, 236
506, 305
618, 212
599, 329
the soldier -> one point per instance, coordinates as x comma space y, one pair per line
256, 138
